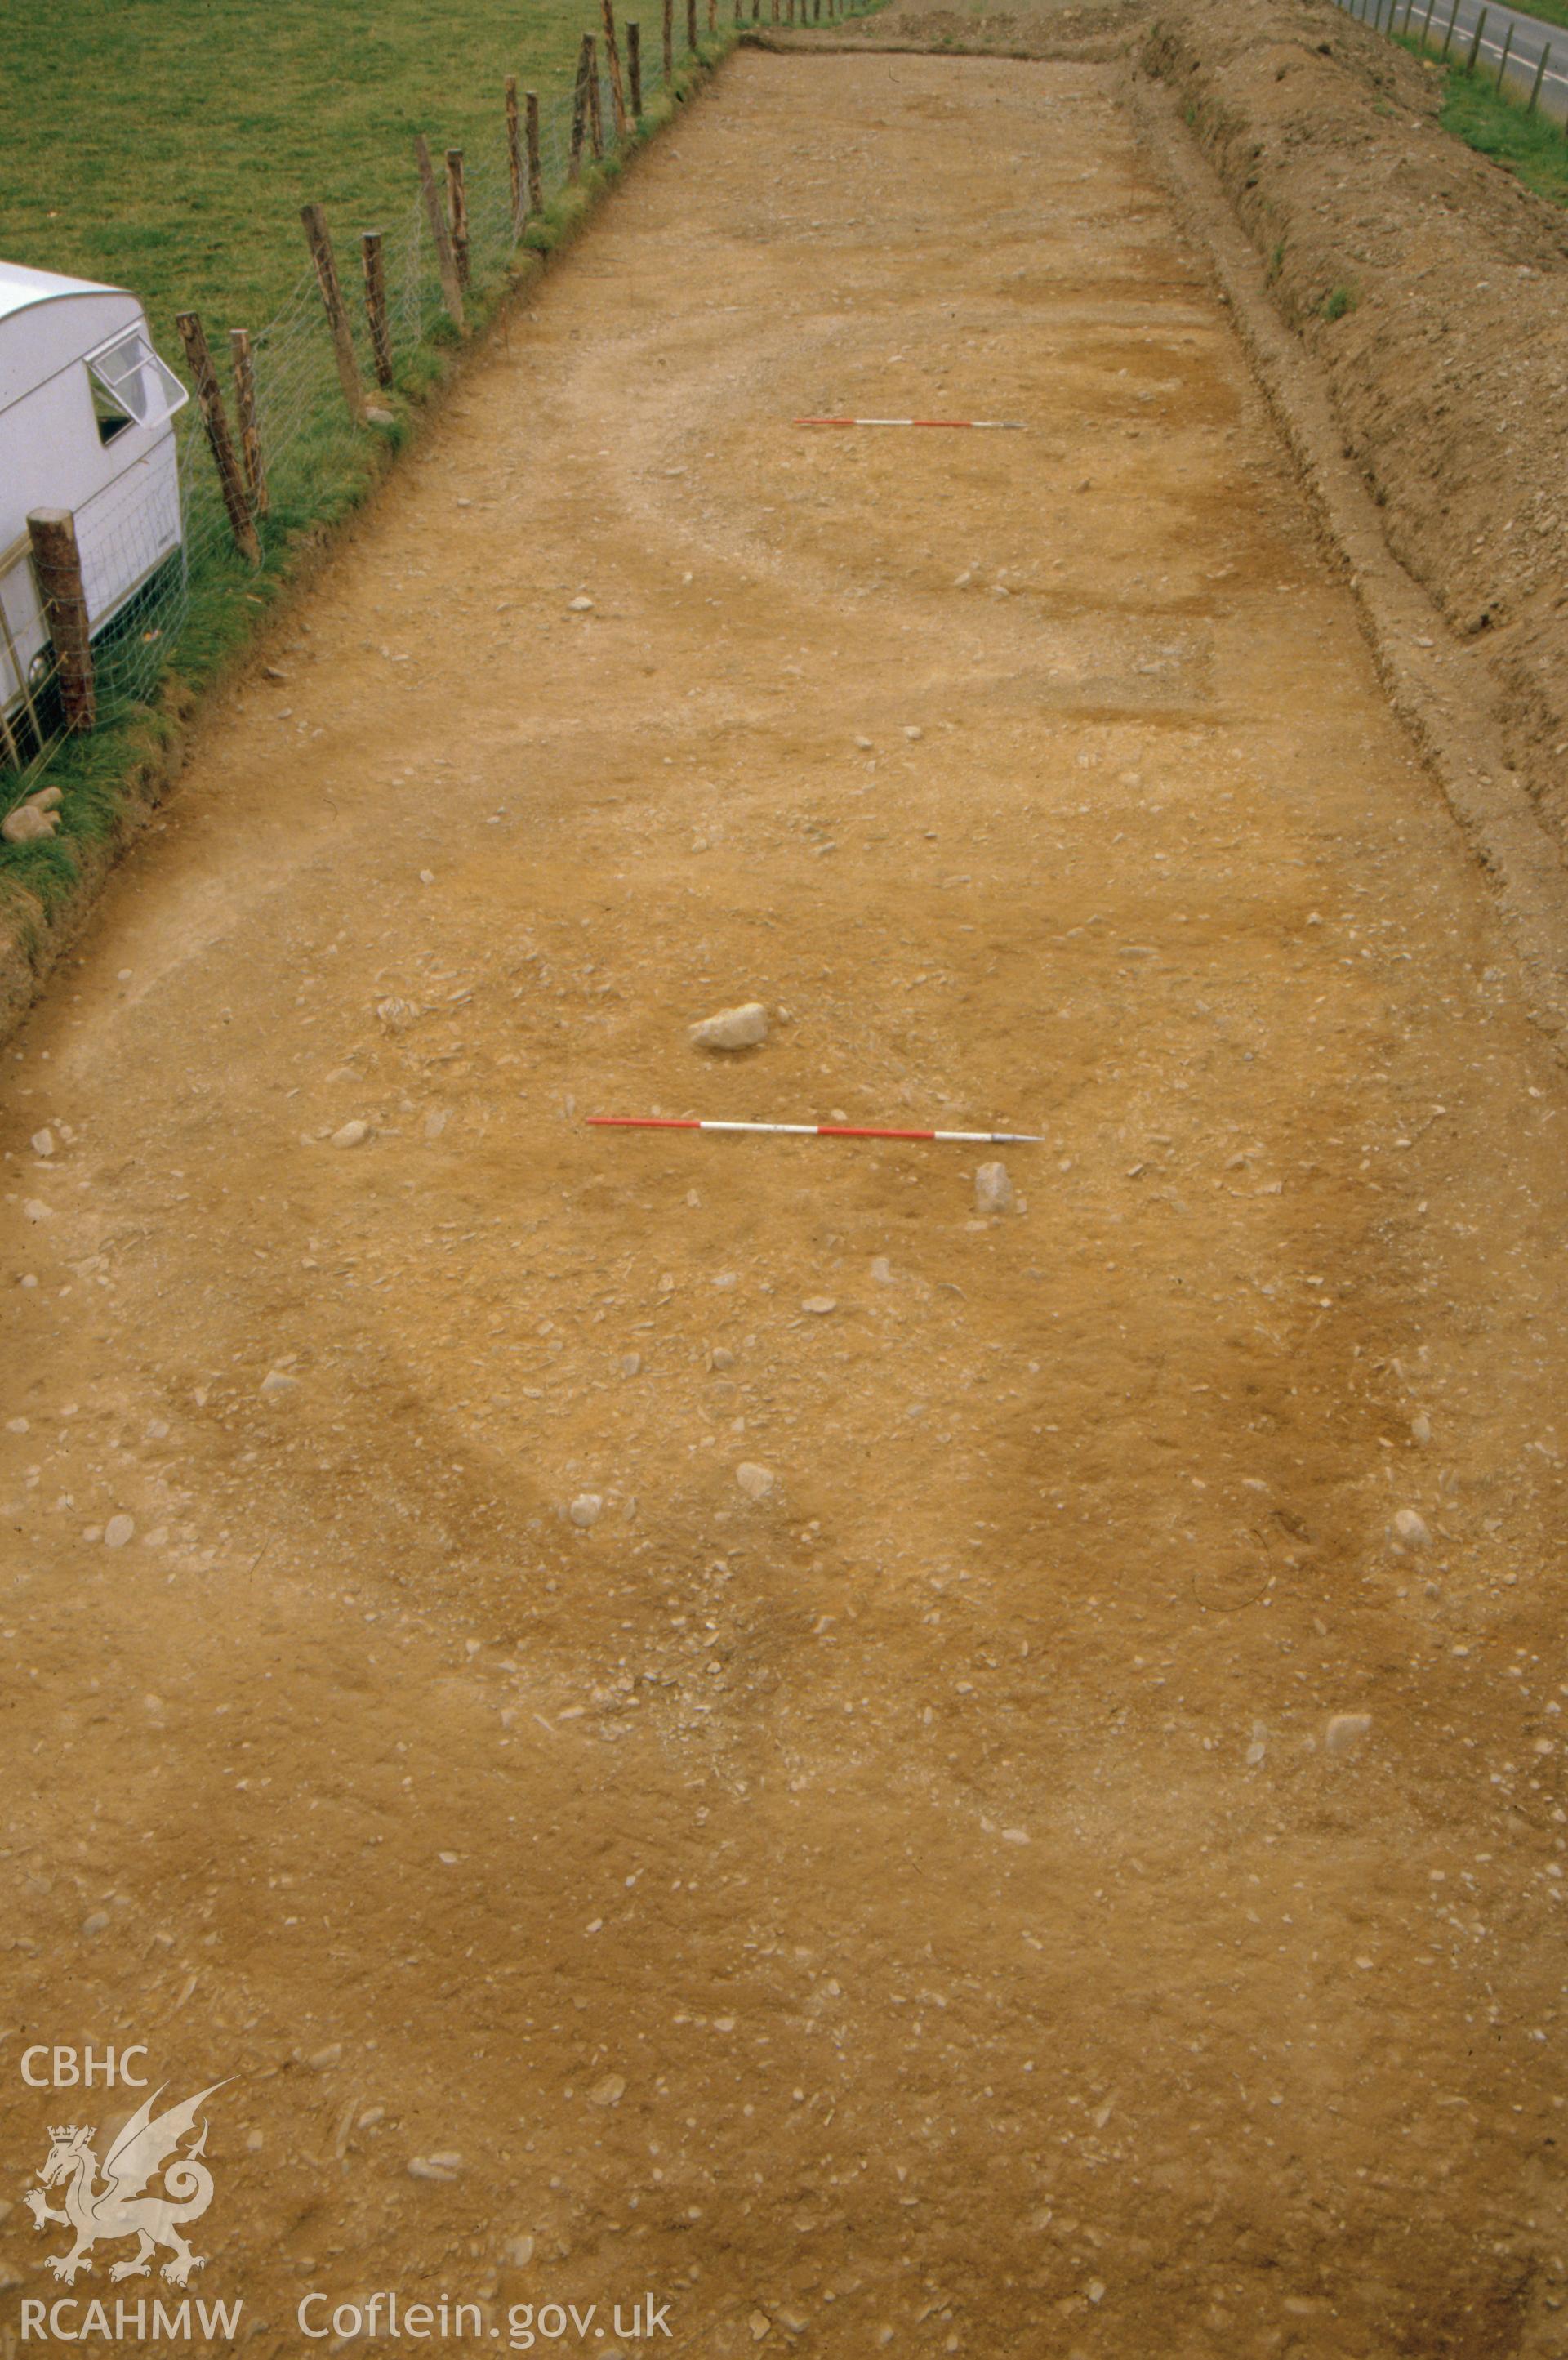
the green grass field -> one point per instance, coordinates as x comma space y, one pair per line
167, 144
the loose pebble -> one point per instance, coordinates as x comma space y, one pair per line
118, 1530
518, 2252
993, 1189
1420, 1427
582, 605
35, 1209
820, 1305
1409, 1530
609, 2092
42, 1142
882, 1270
755, 1481
586, 1510
631, 1362
277, 1385
1347, 1732
434, 2167
731, 1027
353, 1134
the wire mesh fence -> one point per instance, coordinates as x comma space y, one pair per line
164, 534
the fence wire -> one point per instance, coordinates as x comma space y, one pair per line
308, 441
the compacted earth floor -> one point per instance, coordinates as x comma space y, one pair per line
1063, 1856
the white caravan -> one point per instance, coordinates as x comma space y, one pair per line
86, 423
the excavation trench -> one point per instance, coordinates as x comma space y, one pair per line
921, 1903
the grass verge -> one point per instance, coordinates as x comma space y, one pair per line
1496, 125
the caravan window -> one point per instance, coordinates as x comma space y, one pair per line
131, 387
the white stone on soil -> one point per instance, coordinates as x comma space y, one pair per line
731, 1027
1347, 1732
993, 1189
1409, 1530
118, 1530
755, 1481
586, 1510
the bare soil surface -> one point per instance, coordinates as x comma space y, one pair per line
919, 1907
1449, 372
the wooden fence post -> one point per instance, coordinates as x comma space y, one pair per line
244, 366
668, 38
691, 26
531, 144
1475, 42
634, 68
515, 156
210, 402
1426, 26
376, 304
1503, 60
595, 104
613, 56
1540, 76
57, 563
1453, 21
579, 112
435, 214
457, 208
321, 246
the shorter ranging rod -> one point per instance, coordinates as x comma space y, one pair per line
815, 1130
1010, 425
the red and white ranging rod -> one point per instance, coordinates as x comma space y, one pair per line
1008, 426
817, 1130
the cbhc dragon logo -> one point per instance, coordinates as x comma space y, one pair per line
120, 2208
